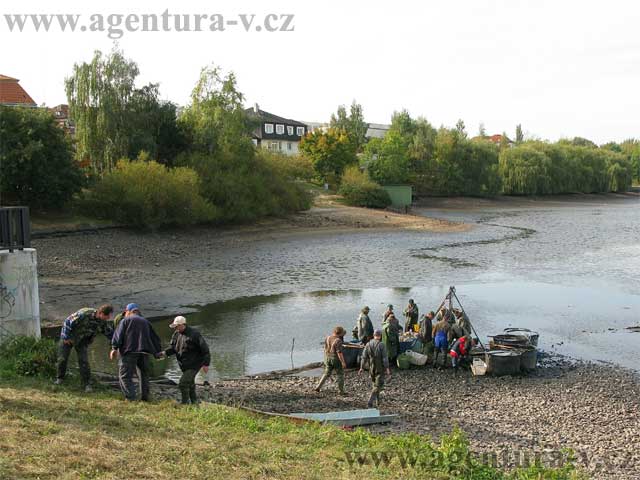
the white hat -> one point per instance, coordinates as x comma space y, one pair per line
180, 320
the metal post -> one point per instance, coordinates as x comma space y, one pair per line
453, 291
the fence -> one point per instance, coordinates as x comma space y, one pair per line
15, 228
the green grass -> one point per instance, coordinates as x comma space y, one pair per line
58, 432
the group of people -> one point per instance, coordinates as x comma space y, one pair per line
446, 333
133, 342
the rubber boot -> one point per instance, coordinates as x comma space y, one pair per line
192, 395
185, 396
372, 400
341, 386
321, 382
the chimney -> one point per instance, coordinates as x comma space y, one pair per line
256, 108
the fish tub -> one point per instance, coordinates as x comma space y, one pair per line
509, 340
528, 359
525, 332
352, 353
503, 362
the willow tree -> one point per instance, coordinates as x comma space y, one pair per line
98, 94
215, 118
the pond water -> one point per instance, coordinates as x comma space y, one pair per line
569, 270
256, 334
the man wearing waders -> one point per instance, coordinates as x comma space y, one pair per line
334, 359
375, 353
364, 326
411, 316
192, 352
441, 340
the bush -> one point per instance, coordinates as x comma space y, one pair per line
245, 188
293, 167
360, 191
37, 162
28, 356
149, 194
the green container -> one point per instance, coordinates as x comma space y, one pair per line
403, 361
401, 195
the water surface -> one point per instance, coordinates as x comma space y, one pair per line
569, 270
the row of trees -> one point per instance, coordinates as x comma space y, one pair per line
115, 120
445, 161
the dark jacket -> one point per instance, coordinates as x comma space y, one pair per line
136, 335
375, 353
190, 348
426, 329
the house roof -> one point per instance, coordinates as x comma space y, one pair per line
11, 93
270, 117
260, 132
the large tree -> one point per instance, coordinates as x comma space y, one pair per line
153, 126
98, 94
330, 152
215, 119
353, 124
36, 161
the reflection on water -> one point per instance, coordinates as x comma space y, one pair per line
255, 334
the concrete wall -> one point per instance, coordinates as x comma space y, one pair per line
19, 299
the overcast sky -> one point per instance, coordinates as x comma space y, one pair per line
560, 68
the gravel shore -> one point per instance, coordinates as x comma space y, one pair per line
592, 409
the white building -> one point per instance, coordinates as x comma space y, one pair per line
276, 133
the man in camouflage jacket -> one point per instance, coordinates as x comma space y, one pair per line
78, 331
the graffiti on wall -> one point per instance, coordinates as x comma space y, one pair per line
7, 300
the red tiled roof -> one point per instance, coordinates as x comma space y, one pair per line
11, 93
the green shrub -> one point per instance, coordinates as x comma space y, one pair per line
37, 162
360, 191
293, 167
245, 188
149, 194
28, 356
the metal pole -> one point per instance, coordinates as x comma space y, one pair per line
293, 344
453, 291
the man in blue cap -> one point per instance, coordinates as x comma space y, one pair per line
134, 341
128, 310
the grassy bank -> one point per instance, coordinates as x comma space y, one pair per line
57, 432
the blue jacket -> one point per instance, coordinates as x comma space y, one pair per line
136, 335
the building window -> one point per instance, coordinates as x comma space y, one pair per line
268, 128
255, 141
279, 129
274, 146
300, 131
289, 130
289, 143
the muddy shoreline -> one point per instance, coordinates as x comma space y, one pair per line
175, 270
